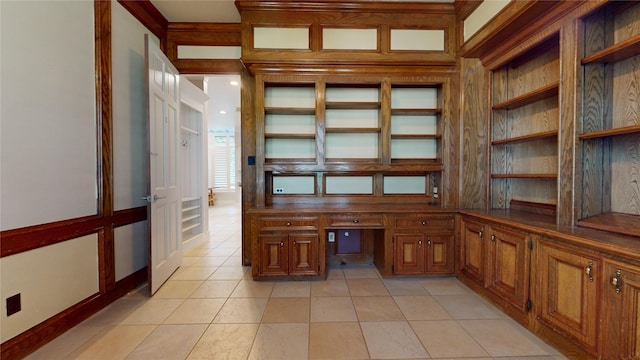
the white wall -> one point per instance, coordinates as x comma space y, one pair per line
48, 153
130, 154
48, 117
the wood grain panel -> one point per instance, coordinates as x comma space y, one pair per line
248, 148
475, 101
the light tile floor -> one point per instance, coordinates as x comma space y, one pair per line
212, 309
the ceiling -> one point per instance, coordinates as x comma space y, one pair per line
198, 10
216, 10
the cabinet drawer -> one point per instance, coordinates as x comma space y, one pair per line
356, 220
299, 223
424, 222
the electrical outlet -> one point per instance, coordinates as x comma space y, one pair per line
331, 236
13, 304
279, 190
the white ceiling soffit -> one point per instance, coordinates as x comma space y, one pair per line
217, 11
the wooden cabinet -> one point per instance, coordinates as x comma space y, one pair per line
472, 250
287, 246
609, 133
423, 245
508, 258
498, 259
621, 322
524, 126
568, 292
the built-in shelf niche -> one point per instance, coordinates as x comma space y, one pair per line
609, 133
352, 123
524, 128
415, 123
290, 123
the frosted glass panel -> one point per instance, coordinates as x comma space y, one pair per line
420, 40
289, 124
297, 97
299, 185
280, 38
290, 148
350, 39
361, 118
349, 185
209, 52
409, 124
352, 94
354, 146
414, 98
405, 184
414, 149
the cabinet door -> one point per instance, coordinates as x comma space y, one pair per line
303, 255
508, 270
439, 254
568, 293
273, 254
621, 326
409, 255
472, 250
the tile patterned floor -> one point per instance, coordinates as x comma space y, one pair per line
212, 309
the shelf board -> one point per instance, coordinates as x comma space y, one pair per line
610, 132
416, 136
524, 176
404, 166
530, 97
189, 218
289, 111
190, 208
289, 136
620, 51
352, 105
189, 131
352, 130
416, 112
529, 137
184, 199
621, 223
190, 227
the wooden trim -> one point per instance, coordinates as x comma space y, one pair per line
464, 8
516, 22
148, 15
104, 140
30, 340
346, 6
32, 237
208, 67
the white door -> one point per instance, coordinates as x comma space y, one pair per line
163, 202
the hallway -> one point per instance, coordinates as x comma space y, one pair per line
212, 309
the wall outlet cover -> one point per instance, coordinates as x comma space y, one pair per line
13, 304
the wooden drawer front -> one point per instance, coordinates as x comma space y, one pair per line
298, 223
424, 222
356, 220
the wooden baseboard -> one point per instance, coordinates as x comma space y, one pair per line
29, 341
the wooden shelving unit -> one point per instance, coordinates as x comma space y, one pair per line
610, 128
524, 127
365, 128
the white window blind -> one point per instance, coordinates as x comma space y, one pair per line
221, 175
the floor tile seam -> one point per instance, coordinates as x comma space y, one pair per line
102, 333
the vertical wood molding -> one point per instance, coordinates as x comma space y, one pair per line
104, 122
568, 101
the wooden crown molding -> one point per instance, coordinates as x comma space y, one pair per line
148, 15
516, 22
346, 6
464, 8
